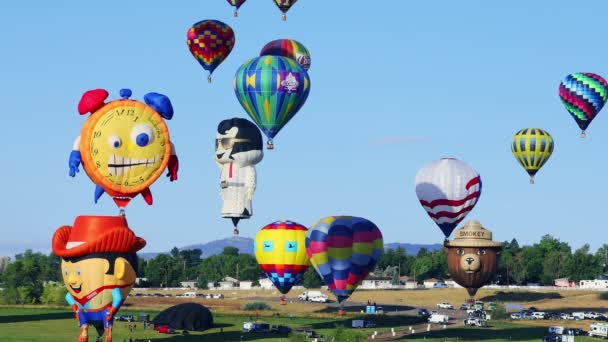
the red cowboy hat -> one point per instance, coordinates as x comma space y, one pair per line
96, 234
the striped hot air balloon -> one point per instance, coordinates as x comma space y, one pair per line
583, 95
271, 89
532, 147
288, 48
448, 190
280, 249
343, 250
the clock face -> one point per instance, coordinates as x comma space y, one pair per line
125, 146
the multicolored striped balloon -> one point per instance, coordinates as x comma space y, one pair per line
288, 48
583, 95
237, 4
210, 42
343, 250
448, 190
284, 6
271, 89
532, 147
280, 250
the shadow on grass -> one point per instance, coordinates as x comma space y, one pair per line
501, 296
604, 296
218, 336
480, 334
36, 317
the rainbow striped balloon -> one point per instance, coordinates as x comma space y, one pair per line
280, 250
343, 250
583, 95
288, 48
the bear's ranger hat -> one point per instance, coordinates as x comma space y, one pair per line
473, 234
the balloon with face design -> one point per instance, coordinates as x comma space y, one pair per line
98, 265
472, 257
124, 145
238, 148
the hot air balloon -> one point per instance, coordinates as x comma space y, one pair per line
448, 190
238, 148
237, 4
583, 95
271, 89
288, 48
343, 250
532, 147
284, 6
472, 256
98, 265
124, 145
210, 42
280, 249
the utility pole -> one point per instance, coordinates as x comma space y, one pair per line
237, 271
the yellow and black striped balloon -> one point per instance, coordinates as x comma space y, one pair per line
532, 147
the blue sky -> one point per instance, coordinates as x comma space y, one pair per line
393, 88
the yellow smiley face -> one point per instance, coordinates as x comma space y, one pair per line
125, 146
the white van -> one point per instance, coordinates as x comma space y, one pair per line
598, 329
539, 315
556, 330
313, 296
189, 295
438, 318
578, 315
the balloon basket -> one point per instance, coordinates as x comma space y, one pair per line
209, 79
583, 135
269, 145
531, 180
283, 302
341, 312
235, 231
236, 14
284, 17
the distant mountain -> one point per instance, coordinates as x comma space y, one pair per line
413, 249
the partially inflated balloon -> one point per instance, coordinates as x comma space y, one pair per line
210, 42
343, 250
280, 249
284, 6
288, 48
532, 147
583, 95
271, 89
448, 189
237, 4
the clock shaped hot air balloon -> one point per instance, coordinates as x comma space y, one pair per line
343, 250
210, 42
583, 95
271, 89
448, 190
124, 145
280, 249
236, 4
532, 147
288, 48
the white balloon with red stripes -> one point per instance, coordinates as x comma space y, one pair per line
448, 190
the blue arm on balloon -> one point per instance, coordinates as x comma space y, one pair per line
116, 297
74, 162
98, 192
69, 299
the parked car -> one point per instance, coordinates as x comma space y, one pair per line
475, 321
165, 329
552, 316
437, 318
280, 329
516, 315
556, 330
445, 305
465, 306
440, 285
361, 323
423, 312
125, 318
538, 315
575, 332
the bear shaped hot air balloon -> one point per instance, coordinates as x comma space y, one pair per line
343, 250
472, 256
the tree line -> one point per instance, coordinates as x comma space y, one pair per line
33, 277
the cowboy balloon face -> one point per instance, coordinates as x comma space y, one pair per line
238, 140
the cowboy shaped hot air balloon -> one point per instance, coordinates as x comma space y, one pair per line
210, 42
238, 148
583, 95
236, 4
271, 89
448, 190
280, 249
124, 144
284, 6
98, 265
343, 250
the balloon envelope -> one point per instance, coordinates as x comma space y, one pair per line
343, 250
280, 249
583, 95
532, 147
288, 48
210, 42
271, 89
448, 190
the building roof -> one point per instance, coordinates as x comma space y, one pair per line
230, 279
377, 278
431, 280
